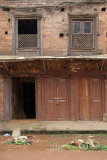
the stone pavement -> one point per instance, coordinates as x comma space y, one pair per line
53, 126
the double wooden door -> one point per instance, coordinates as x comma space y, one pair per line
56, 98
90, 98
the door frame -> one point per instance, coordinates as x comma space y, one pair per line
8, 96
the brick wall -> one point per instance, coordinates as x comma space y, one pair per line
102, 39
55, 28
5, 38
54, 23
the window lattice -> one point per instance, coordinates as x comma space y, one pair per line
27, 41
84, 41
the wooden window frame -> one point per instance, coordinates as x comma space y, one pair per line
93, 18
17, 50
17, 21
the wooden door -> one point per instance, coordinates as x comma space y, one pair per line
84, 98
96, 98
49, 95
90, 98
56, 98
62, 94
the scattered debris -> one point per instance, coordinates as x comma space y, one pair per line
69, 147
7, 134
81, 144
21, 140
90, 144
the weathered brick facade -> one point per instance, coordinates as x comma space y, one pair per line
54, 22
54, 40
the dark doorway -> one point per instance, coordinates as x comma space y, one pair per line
29, 99
23, 98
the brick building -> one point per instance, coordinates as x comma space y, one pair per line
53, 59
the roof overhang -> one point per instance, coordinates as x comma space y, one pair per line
21, 58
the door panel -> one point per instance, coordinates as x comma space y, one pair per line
72, 99
84, 99
81, 98
56, 98
90, 101
105, 95
62, 107
96, 103
49, 93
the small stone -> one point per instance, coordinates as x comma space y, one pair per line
16, 133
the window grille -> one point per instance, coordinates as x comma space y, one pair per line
27, 41
27, 33
84, 41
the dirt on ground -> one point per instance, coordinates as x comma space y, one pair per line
46, 142
54, 155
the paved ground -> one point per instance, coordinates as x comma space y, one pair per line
33, 125
46, 146
46, 142
55, 155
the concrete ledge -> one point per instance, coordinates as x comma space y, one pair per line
64, 132
57, 132
54, 127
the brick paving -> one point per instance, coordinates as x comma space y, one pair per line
43, 142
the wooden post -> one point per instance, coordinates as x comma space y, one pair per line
6, 98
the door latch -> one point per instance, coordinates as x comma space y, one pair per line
57, 100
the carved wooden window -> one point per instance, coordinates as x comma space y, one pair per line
82, 34
27, 35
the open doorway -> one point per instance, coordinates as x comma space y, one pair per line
23, 98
